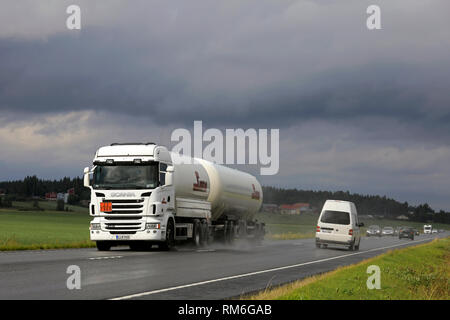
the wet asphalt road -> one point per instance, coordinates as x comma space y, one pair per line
216, 272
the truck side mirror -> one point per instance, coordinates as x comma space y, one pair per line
86, 179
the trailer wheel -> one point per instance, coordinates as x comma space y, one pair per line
103, 246
242, 229
204, 234
196, 236
259, 234
230, 232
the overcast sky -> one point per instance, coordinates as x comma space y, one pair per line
358, 110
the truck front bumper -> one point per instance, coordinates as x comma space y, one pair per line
145, 235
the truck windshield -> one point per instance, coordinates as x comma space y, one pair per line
126, 176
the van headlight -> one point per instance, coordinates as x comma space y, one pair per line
152, 226
95, 226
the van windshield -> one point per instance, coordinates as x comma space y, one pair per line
335, 217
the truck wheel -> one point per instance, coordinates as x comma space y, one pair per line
170, 236
103, 246
196, 235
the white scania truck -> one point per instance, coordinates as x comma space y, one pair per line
140, 195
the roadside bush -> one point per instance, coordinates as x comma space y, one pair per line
60, 205
36, 204
73, 199
6, 202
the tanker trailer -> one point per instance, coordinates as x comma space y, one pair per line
142, 194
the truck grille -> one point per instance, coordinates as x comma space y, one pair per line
128, 206
124, 218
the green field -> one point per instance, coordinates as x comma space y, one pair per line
420, 272
22, 227
25, 227
282, 226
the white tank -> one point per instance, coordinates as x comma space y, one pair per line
230, 191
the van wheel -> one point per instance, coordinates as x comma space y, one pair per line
318, 246
103, 246
351, 247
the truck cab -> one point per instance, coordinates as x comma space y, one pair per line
132, 196
427, 228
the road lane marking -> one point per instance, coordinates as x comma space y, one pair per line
195, 284
103, 258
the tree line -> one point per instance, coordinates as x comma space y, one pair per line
366, 204
33, 187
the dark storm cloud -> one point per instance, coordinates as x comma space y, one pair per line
362, 110
98, 70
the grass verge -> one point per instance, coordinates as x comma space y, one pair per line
28, 230
417, 273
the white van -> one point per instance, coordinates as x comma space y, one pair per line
338, 224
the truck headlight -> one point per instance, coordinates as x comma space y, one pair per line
152, 226
95, 226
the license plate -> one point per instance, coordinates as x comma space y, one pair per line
122, 237
326, 231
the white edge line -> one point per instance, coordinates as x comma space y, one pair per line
257, 272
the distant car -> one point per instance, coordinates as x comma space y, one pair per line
373, 231
387, 231
406, 232
434, 231
441, 230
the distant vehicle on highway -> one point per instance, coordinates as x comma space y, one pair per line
434, 231
416, 232
441, 230
406, 232
427, 228
338, 224
387, 231
373, 230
